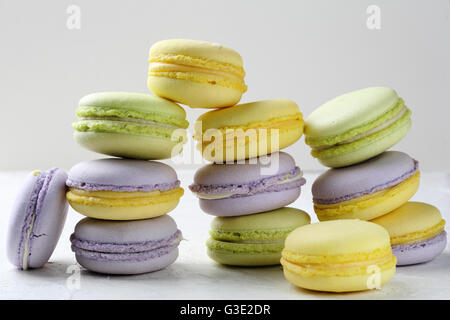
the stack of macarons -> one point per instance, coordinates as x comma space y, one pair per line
244, 188
351, 134
125, 199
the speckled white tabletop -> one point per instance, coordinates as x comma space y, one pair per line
194, 275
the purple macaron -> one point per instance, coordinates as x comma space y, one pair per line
255, 185
37, 219
126, 247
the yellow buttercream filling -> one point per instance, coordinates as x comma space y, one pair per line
340, 270
419, 235
122, 199
198, 62
366, 201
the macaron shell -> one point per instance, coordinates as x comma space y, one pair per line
420, 252
350, 110
241, 173
128, 267
122, 172
337, 283
129, 145
364, 178
244, 259
365, 148
252, 204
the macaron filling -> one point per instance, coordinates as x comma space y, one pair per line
285, 181
32, 214
121, 188
373, 189
419, 236
136, 251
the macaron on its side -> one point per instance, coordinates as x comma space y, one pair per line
417, 232
126, 247
123, 189
253, 240
338, 256
199, 74
357, 126
240, 189
367, 190
132, 125
37, 219
248, 130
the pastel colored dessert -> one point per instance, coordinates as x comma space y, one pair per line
367, 190
126, 247
37, 219
123, 189
251, 187
357, 126
417, 232
199, 74
248, 130
130, 125
253, 240
338, 256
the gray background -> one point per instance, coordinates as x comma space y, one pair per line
307, 51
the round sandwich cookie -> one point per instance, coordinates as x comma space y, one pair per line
417, 232
248, 130
258, 185
37, 219
253, 240
123, 189
126, 247
367, 190
357, 126
130, 125
196, 73
338, 256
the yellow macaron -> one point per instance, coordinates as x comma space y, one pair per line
248, 130
338, 256
417, 232
199, 74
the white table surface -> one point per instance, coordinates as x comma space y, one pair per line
194, 275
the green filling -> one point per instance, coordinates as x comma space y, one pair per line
349, 147
244, 247
250, 235
123, 127
331, 141
101, 112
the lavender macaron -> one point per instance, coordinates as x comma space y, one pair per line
37, 219
253, 186
126, 247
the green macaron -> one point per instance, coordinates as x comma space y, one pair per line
253, 240
357, 126
130, 125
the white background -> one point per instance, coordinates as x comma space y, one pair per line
307, 51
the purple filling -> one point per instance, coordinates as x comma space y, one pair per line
371, 190
138, 251
111, 187
260, 186
418, 245
34, 207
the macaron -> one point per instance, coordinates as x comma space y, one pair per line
199, 74
338, 256
130, 125
248, 130
258, 185
123, 189
253, 240
417, 232
366, 190
126, 247
357, 126
37, 219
